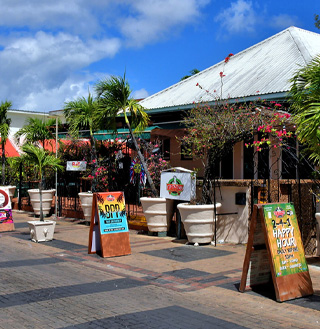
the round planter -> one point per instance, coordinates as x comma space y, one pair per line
198, 221
318, 233
86, 204
47, 197
158, 213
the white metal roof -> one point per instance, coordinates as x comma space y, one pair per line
261, 70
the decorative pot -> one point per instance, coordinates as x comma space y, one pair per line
198, 221
86, 204
47, 197
41, 231
318, 233
158, 213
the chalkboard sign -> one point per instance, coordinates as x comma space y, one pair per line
275, 250
6, 220
109, 233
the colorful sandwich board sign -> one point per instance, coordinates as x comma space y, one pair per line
6, 220
109, 233
275, 250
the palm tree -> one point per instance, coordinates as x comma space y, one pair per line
36, 130
4, 131
42, 160
305, 98
114, 100
192, 72
80, 115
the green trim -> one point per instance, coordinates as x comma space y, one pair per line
122, 133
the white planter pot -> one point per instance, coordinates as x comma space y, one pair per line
41, 231
86, 204
158, 213
198, 221
318, 233
47, 197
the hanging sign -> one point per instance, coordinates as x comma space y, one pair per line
6, 220
274, 232
177, 185
137, 173
76, 165
109, 233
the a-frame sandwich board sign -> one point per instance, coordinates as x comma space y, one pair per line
6, 220
275, 248
109, 233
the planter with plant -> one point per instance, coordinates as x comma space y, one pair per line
41, 230
157, 211
213, 131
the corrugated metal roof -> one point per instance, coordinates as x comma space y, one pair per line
260, 70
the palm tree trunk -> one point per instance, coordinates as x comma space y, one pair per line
3, 159
40, 194
93, 158
144, 165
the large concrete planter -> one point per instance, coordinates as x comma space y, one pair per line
41, 231
198, 221
158, 213
86, 204
47, 197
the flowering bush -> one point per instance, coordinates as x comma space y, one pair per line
105, 170
213, 131
155, 161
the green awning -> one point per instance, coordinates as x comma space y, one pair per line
122, 133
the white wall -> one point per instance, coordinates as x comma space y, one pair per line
234, 227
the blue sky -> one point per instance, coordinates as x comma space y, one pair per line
54, 51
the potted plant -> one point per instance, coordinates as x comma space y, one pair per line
157, 211
213, 131
41, 230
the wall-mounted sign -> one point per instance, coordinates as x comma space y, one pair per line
109, 232
274, 231
76, 165
178, 185
6, 220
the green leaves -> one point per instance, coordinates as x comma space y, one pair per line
305, 97
40, 158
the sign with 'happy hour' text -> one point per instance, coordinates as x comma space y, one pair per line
275, 250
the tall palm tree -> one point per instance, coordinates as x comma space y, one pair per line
81, 115
305, 98
42, 160
4, 131
36, 130
114, 100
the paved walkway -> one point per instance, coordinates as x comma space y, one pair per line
162, 284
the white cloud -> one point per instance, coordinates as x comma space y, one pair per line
47, 47
283, 21
45, 62
141, 93
155, 19
73, 15
239, 17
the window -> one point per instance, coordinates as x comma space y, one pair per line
165, 149
263, 161
248, 160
